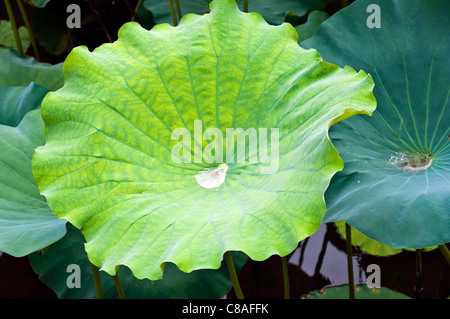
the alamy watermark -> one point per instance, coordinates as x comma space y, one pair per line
74, 279
374, 279
241, 146
74, 19
374, 19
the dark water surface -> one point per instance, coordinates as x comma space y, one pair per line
319, 261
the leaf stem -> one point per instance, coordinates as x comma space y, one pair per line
132, 12
119, 287
172, 12
285, 277
30, 30
245, 5
418, 286
177, 5
351, 281
14, 26
97, 282
95, 12
43, 250
136, 9
444, 250
233, 275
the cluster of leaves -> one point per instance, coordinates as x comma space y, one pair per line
104, 161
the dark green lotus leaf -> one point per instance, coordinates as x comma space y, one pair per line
395, 184
361, 292
26, 222
273, 11
16, 101
16, 70
108, 164
50, 27
52, 270
307, 30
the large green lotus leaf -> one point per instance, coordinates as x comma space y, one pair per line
108, 168
273, 11
17, 70
361, 292
395, 184
26, 222
52, 270
16, 101
7, 36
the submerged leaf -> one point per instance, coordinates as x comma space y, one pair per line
361, 292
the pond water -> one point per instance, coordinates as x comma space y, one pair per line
319, 261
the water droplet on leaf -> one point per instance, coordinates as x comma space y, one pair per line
212, 177
412, 162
